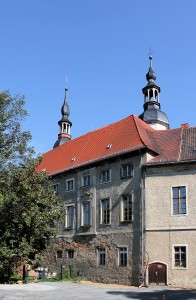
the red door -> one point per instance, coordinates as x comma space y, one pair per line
157, 273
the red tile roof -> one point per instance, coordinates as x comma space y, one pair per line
188, 145
124, 136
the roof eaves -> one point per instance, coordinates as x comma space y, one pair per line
168, 162
99, 159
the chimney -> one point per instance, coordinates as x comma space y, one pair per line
185, 125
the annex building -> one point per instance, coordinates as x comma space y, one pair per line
129, 196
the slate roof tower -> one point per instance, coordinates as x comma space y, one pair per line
152, 114
64, 124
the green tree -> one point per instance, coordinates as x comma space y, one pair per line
29, 208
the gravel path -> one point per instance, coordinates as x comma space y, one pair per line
70, 291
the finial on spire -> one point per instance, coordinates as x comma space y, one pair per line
66, 84
150, 56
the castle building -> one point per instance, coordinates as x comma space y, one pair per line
128, 191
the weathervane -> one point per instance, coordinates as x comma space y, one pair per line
66, 83
150, 56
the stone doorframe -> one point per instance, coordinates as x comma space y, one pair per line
156, 262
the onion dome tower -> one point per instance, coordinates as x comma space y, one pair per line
65, 125
152, 114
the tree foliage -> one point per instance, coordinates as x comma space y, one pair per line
29, 207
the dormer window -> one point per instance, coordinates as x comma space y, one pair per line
109, 146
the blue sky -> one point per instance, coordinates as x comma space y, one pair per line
102, 47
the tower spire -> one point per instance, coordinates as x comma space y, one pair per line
152, 113
64, 124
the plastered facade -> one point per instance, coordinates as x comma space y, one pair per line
163, 229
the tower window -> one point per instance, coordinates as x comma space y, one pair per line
151, 95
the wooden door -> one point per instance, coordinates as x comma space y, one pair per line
157, 273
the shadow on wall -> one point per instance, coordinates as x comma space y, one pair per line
156, 294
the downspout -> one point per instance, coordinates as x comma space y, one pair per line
142, 222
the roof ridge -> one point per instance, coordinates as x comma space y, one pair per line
139, 131
180, 150
89, 133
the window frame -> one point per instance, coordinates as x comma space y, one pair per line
70, 251
105, 176
130, 207
122, 171
101, 256
84, 184
67, 216
57, 254
67, 188
174, 253
121, 251
179, 199
56, 188
102, 211
83, 222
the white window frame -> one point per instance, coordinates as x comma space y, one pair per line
83, 223
122, 207
84, 183
173, 257
67, 188
119, 256
105, 176
102, 211
172, 201
67, 225
122, 171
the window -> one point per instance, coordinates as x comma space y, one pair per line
56, 188
69, 216
180, 257
101, 253
105, 176
59, 254
69, 185
86, 180
70, 253
126, 170
86, 214
127, 208
105, 211
122, 257
179, 200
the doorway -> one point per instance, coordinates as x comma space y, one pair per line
157, 273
